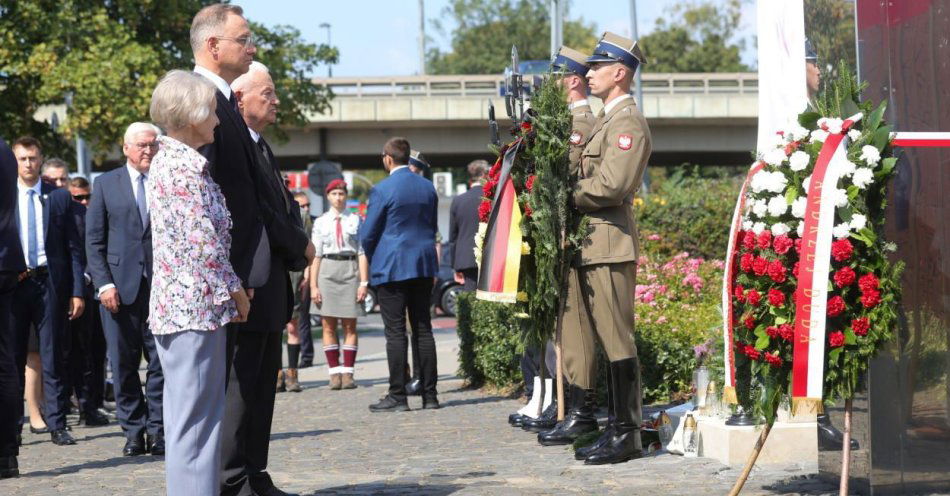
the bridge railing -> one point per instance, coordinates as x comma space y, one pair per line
492, 85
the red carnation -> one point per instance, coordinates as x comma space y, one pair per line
844, 277
836, 339
495, 170
791, 147
745, 262
841, 250
526, 126
776, 298
527, 210
750, 351
489, 188
798, 246
786, 332
749, 322
782, 244
772, 331
835, 306
748, 240
760, 266
483, 210
861, 326
795, 269
765, 239
871, 298
773, 360
777, 271
529, 184
740, 293
753, 297
868, 282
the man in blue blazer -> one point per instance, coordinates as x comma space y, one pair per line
401, 221
12, 265
119, 251
51, 288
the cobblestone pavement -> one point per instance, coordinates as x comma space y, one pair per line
327, 442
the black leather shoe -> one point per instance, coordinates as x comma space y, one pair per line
547, 420
516, 419
9, 467
431, 404
155, 444
624, 441
829, 437
41, 430
579, 419
388, 404
414, 388
61, 437
134, 446
94, 419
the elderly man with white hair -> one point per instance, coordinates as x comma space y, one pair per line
119, 259
257, 354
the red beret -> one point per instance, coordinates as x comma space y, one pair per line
336, 184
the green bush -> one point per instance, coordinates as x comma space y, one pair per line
490, 342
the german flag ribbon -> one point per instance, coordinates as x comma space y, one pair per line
501, 251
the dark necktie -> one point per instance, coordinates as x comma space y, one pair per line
269, 163
234, 105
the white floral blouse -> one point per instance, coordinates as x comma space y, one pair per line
191, 241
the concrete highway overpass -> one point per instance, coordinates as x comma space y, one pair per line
707, 119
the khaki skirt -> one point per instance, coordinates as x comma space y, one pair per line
338, 281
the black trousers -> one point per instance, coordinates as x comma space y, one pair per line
249, 410
303, 324
87, 357
11, 397
471, 279
35, 302
395, 299
128, 339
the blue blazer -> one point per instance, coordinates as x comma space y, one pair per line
118, 246
11, 253
398, 235
64, 254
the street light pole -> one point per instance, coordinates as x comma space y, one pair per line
422, 38
556, 11
326, 25
638, 77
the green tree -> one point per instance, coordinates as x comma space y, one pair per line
109, 55
485, 30
829, 24
696, 37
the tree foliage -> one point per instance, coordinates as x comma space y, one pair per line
696, 37
829, 24
485, 30
108, 55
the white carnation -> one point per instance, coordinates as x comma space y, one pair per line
858, 222
776, 182
796, 132
800, 229
870, 155
805, 183
833, 125
799, 161
819, 135
777, 206
840, 198
779, 229
759, 208
841, 231
773, 141
774, 156
854, 134
758, 181
758, 227
863, 177
747, 224
847, 168
798, 207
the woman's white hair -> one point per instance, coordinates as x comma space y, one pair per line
140, 127
182, 99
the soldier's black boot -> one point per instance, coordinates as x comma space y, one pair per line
584, 451
624, 442
547, 420
829, 437
578, 421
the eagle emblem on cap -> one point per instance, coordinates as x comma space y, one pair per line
625, 141
576, 137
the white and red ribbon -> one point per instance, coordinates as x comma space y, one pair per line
907, 139
811, 296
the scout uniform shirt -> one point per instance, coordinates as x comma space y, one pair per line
612, 165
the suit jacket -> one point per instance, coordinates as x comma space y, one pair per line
118, 246
273, 303
463, 225
612, 167
231, 159
64, 253
11, 253
401, 222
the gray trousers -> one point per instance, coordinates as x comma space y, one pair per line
194, 367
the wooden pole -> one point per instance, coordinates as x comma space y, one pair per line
560, 378
846, 449
737, 488
562, 300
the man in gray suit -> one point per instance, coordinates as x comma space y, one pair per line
119, 258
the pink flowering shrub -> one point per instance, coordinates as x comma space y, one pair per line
677, 310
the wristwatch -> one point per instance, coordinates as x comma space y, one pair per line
363, 284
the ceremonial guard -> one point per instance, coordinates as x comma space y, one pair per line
601, 282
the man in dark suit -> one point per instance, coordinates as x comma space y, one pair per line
12, 264
401, 221
257, 353
463, 225
51, 288
119, 251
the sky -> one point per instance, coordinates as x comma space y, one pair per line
380, 37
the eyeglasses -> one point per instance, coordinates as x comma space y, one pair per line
80, 198
247, 41
305, 205
143, 146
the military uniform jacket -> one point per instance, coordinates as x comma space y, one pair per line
612, 165
583, 119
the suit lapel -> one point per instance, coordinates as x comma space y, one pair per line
44, 204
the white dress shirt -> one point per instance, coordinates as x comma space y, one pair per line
579, 103
616, 101
397, 168
23, 209
218, 81
324, 233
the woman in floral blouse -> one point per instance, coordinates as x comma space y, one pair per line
194, 289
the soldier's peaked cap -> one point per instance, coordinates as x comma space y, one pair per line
570, 60
616, 48
418, 160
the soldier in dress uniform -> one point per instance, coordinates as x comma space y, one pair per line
601, 283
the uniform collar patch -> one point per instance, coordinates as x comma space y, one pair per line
625, 141
576, 137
